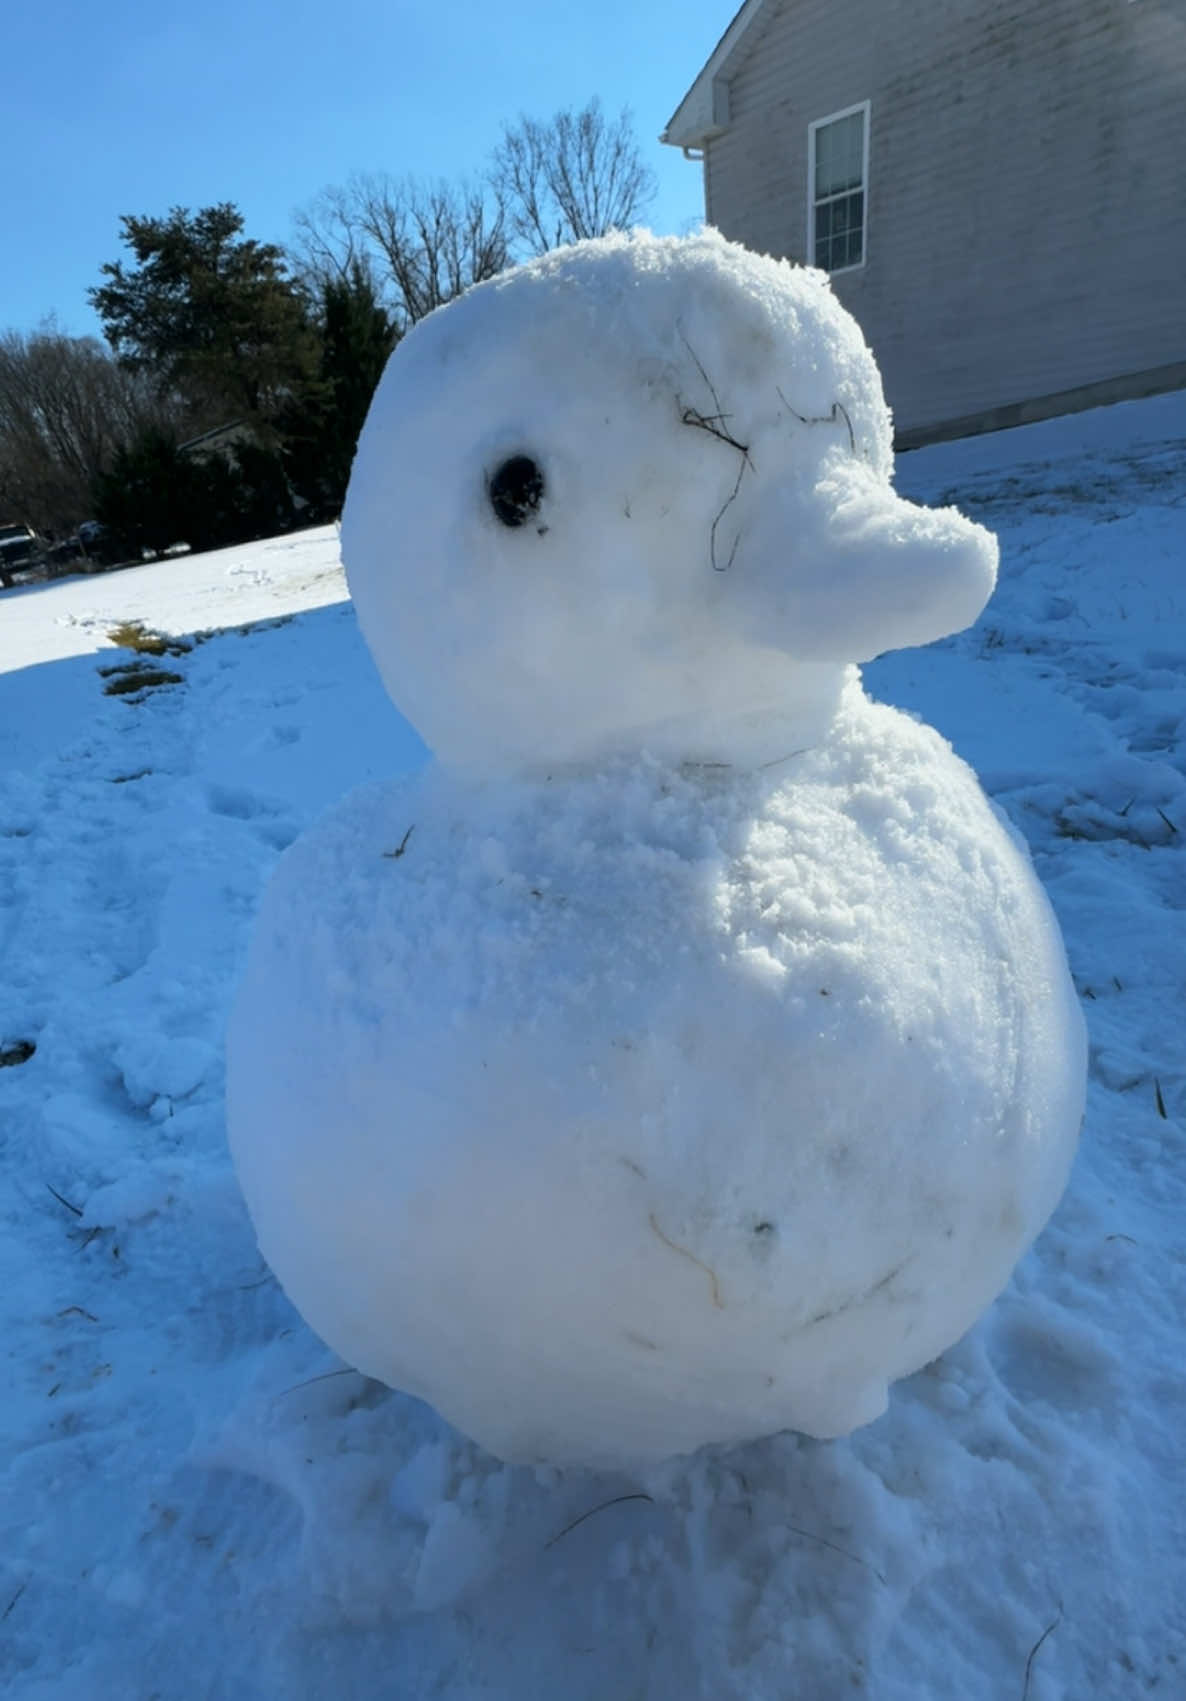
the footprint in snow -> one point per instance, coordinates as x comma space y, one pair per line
1043, 1356
261, 813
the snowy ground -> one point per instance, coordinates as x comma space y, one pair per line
198, 1501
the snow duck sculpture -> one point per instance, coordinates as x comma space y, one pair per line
689, 1051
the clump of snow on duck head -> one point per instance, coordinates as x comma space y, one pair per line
637, 495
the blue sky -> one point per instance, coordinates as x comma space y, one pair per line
134, 107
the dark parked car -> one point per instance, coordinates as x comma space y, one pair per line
20, 549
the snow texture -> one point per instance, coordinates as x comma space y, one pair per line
707, 1062
199, 1502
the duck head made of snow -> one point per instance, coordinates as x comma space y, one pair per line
638, 494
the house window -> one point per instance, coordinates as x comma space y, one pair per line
837, 179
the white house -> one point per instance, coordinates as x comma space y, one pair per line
998, 188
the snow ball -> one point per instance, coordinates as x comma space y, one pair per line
154, 1066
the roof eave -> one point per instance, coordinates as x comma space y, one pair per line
704, 111
698, 122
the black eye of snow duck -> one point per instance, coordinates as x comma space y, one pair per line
516, 489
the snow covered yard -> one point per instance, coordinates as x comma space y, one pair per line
199, 1501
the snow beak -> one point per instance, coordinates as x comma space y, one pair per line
868, 571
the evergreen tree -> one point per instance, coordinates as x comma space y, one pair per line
321, 427
155, 494
208, 312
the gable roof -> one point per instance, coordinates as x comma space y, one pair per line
704, 110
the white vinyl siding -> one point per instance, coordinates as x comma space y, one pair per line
1020, 244
837, 188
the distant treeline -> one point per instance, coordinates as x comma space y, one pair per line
236, 374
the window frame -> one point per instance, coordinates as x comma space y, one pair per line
865, 107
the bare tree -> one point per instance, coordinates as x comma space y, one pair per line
330, 241
575, 176
65, 407
426, 243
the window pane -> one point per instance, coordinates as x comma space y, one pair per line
853, 218
838, 192
823, 159
839, 154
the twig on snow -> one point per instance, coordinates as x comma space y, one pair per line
618, 1500
714, 424
692, 1258
402, 846
837, 411
14, 1600
810, 1535
1029, 1664
326, 1376
721, 512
